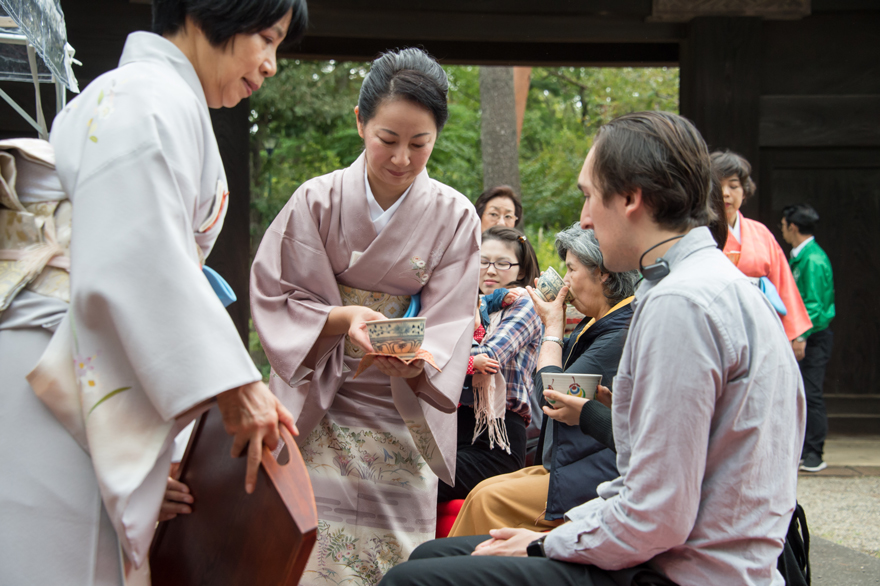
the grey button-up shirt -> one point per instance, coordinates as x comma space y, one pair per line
708, 418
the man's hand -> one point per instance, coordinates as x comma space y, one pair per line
485, 365
177, 500
507, 542
252, 414
800, 349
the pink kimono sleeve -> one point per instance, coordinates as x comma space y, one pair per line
797, 320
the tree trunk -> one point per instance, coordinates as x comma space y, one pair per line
498, 104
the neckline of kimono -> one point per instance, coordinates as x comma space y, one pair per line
374, 205
143, 46
362, 235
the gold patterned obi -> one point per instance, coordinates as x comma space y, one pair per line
391, 306
34, 237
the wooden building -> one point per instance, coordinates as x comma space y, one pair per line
793, 85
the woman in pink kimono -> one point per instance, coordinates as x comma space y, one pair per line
354, 246
752, 247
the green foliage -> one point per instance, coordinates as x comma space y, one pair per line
566, 106
307, 110
544, 243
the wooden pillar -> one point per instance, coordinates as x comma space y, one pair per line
498, 128
231, 255
720, 85
522, 77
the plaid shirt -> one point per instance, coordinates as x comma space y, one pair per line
515, 344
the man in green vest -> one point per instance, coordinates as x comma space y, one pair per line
812, 272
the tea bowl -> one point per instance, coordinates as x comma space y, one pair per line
401, 337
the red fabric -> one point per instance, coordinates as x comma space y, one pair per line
446, 515
479, 333
470, 369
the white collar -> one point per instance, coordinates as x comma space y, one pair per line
737, 228
797, 249
378, 216
144, 46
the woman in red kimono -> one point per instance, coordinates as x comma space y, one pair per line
753, 249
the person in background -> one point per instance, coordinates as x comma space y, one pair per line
499, 206
753, 249
492, 418
708, 409
815, 281
571, 464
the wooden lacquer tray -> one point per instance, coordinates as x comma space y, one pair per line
231, 537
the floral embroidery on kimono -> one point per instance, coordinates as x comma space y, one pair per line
103, 110
365, 564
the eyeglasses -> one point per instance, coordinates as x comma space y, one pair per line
500, 265
508, 219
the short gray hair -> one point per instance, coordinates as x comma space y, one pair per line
584, 246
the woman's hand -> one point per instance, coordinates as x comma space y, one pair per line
252, 414
177, 500
551, 313
485, 365
566, 408
351, 320
603, 395
511, 297
357, 326
393, 366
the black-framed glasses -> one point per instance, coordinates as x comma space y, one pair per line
500, 265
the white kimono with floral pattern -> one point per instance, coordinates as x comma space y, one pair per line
137, 157
374, 448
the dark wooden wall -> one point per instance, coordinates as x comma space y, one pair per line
801, 100
819, 137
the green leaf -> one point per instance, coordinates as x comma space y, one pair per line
107, 396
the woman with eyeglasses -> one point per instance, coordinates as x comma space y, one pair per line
499, 206
494, 410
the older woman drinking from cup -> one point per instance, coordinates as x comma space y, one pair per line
571, 464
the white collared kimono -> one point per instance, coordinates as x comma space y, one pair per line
137, 157
373, 447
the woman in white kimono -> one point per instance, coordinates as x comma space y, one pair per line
145, 340
354, 246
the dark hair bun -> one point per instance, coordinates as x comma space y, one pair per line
409, 74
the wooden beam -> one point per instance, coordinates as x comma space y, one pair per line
632, 8
720, 83
820, 121
231, 256
686, 10
536, 26
480, 53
